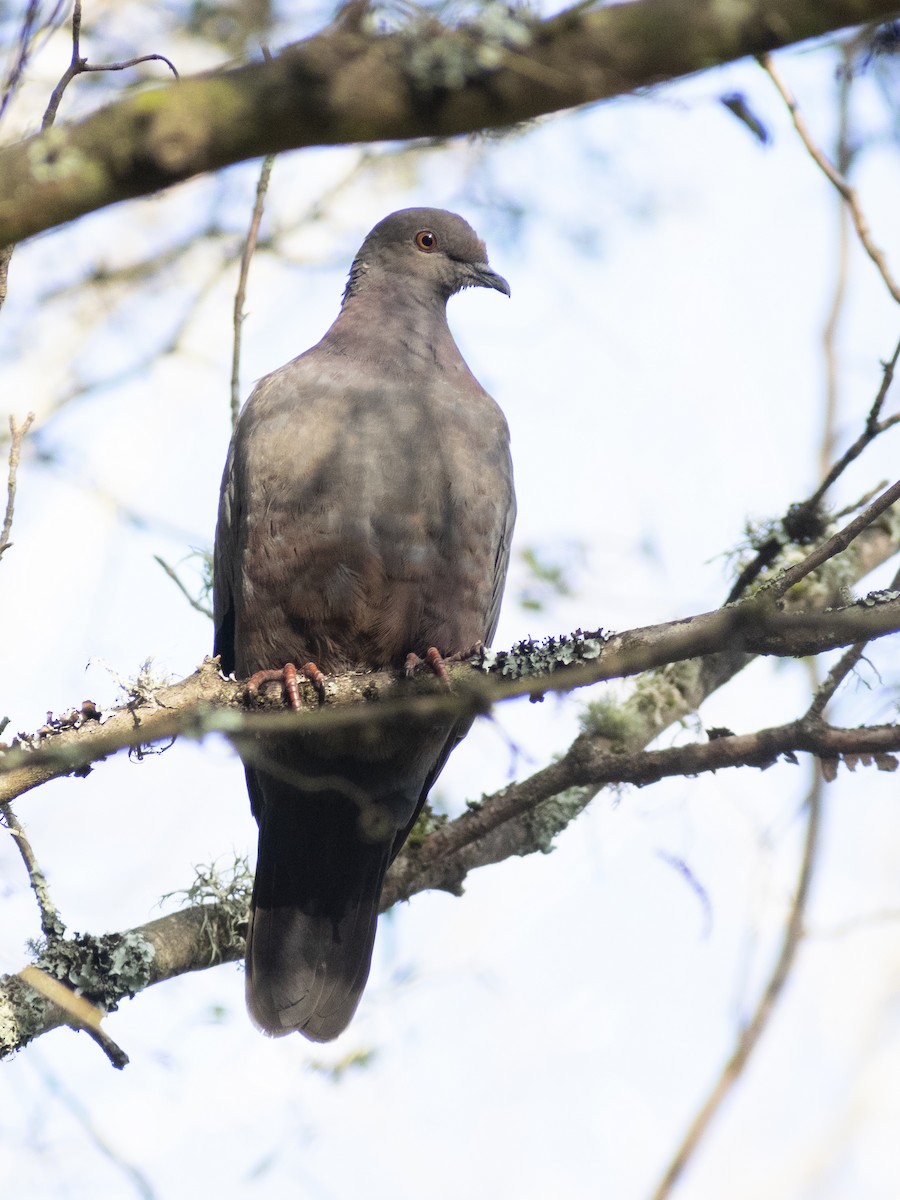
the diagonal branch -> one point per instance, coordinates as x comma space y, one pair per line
349, 84
520, 819
834, 176
205, 702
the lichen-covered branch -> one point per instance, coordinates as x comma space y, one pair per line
521, 819
353, 83
205, 702
113, 966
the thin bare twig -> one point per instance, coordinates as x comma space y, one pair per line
842, 668
78, 1104
15, 72
839, 181
750, 1035
873, 427
16, 438
52, 924
241, 293
77, 66
192, 601
80, 1012
843, 158
835, 677
806, 513
836, 543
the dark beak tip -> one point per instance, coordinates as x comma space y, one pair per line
495, 281
484, 276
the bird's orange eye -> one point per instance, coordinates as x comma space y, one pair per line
426, 240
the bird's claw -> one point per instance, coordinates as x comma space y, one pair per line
288, 676
316, 678
433, 659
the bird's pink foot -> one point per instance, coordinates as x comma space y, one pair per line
433, 659
316, 678
288, 677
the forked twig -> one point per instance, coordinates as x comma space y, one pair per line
836, 543
807, 511
77, 66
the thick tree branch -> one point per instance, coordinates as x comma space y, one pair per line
521, 819
205, 702
349, 84
207, 934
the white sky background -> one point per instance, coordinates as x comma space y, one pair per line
551, 1033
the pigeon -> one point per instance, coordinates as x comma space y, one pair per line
365, 519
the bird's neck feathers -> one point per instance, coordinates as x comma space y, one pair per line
379, 314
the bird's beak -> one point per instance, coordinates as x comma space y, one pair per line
484, 276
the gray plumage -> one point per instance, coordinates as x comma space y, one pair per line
366, 512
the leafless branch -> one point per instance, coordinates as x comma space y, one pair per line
79, 66
750, 1035
52, 925
836, 677
841, 669
873, 428
843, 158
25, 40
241, 293
520, 819
81, 1014
849, 193
205, 702
836, 543
192, 600
16, 437
805, 517
425, 79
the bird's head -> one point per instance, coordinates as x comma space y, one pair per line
427, 250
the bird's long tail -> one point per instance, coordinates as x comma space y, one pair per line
314, 910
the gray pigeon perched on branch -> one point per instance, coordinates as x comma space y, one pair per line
366, 513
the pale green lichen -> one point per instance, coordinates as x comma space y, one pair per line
880, 596
428, 822
617, 723
543, 824
52, 159
451, 56
529, 657
103, 968
229, 890
21, 1013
